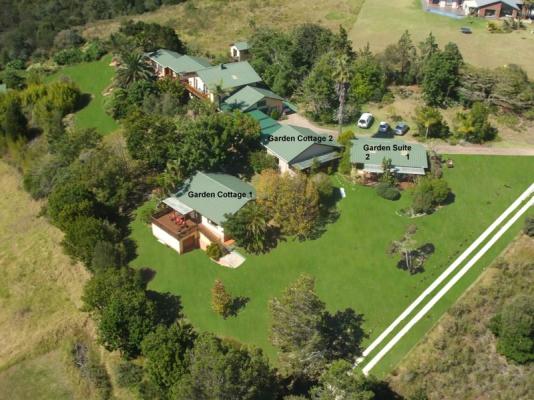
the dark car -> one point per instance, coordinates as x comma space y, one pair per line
465, 29
401, 128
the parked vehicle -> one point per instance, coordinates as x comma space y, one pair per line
401, 128
383, 127
366, 120
466, 30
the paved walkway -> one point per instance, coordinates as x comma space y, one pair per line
524, 197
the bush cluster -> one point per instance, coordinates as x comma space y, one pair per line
387, 191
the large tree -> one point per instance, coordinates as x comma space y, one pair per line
132, 68
165, 351
342, 382
219, 371
295, 329
291, 201
250, 227
440, 75
400, 61
342, 76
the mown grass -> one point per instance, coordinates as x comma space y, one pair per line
92, 78
349, 260
381, 22
469, 366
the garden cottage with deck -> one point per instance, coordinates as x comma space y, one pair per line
192, 217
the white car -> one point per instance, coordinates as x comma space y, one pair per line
366, 120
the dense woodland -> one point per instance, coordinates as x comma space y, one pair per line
93, 188
29, 28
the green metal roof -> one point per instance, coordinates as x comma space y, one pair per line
177, 62
321, 160
229, 75
3, 88
214, 207
241, 45
414, 158
248, 97
267, 124
289, 149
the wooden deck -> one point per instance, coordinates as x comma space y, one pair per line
195, 92
164, 221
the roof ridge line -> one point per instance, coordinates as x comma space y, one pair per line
214, 180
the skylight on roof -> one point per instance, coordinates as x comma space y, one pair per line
234, 77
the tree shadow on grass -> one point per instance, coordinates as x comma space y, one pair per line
147, 274
343, 333
419, 257
83, 101
238, 303
168, 305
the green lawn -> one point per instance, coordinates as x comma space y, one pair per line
92, 78
349, 261
381, 22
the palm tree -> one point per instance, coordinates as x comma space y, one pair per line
342, 78
219, 93
132, 68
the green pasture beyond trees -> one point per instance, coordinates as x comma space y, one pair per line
92, 78
349, 260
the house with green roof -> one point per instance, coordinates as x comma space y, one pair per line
3, 88
224, 77
407, 159
239, 51
297, 148
253, 98
169, 63
192, 217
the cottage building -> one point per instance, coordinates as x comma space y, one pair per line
254, 98
227, 78
192, 217
407, 159
169, 63
297, 148
481, 8
239, 51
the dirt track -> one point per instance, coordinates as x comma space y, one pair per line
299, 120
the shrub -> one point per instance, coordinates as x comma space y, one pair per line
214, 251
276, 114
69, 56
345, 137
94, 51
387, 191
221, 300
129, 374
514, 327
440, 190
261, 160
529, 226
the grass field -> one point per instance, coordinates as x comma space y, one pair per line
209, 26
92, 78
381, 22
39, 297
349, 261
